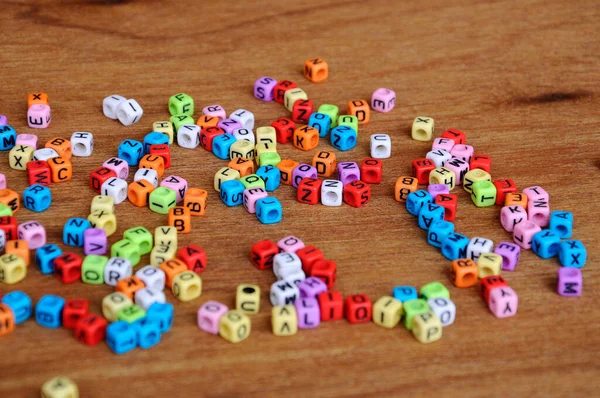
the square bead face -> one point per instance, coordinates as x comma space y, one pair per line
572, 253
503, 302
510, 253
308, 313
570, 282
39, 116
263, 88
383, 100
423, 128
129, 112
110, 105
209, 316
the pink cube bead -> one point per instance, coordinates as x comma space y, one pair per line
3, 120
503, 302
459, 167
437, 189
535, 193
523, 233
39, 116
311, 287
383, 100
2, 181
33, 232
348, 172
229, 125
119, 166
464, 152
538, 205
510, 253
27, 139
302, 171
177, 184
570, 282
510, 216
442, 143
215, 111
290, 244
209, 315
95, 241
251, 196
263, 88
308, 312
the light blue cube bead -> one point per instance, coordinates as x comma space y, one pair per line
269, 210
572, 253
20, 304
321, 122
221, 145
405, 293
37, 198
131, 151
155, 138
271, 175
163, 314
455, 246
44, 257
545, 243
416, 200
429, 214
121, 337
561, 223
343, 138
48, 311
147, 332
232, 193
73, 231
438, 231
8, 138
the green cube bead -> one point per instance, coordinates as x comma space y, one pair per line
181, 104
131, 313
483, 193
269, 159
411, 308
142, 237
126, 249
433, 290
180, 120
348, 120
5, 210
162, 199
92, 269
253, 181
332, 111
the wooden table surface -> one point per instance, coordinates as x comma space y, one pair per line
520, 78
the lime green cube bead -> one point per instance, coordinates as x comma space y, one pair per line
483, 193
180, 120
412, 308
433, 290
269, 159
332, 111
162, 199
126, 249
348, 120
181, 104
92, 269
5, 210
253, 181
131, 313
142, 237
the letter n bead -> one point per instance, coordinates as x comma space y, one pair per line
316, 70
309, 191
262, 253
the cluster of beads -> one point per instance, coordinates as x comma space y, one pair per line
127, 111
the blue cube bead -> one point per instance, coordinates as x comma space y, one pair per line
271, 175
37, 198
155, 138
163, 314
455, 246
73, 231
20, 304
48, 311
405, 293
44, 257
269, 210
131, 151
147, 332
343, 138
121, 337
321, 122
221, 145
572, 253
438, 231
416, 200
561, 223
545, 243
429, 214
8, 138
232, 192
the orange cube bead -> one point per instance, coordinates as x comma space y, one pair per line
172, 268
180, 218
61, 169
130, 285
62, 146
306, 138
139, 192
242, 165
516, 199
37, 98
286, 167
404, 186
11, 199
325, 163
464, 272
316, 70
207, 121
7, 319
360, 109
19, 248
195, 200
154, 162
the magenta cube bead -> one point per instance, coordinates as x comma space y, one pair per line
503, 302
308, 312
570, 282
464, 152
33, 232
119, 166
383, 100
442, 143
209, 315
2, 181
263, 88
290, 244
3, 120
177, 184
459, 167
215, 111
348, 172
39, 116
302, 171
511, 216
437, 189
27, 139
311, 287
510, 253
95, 241
523, 233
230, 125
251, 195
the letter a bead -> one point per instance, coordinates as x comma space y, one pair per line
284, 320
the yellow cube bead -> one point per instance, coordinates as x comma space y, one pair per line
60, 387
472, 176
113, 303
19, 156
489, 264
103, 220
247, 298
264, 147
162, 253
266, 134
442, 175
164, 127
12, 269
427, 327
422, 128
241, 149
387, 312
293, 95
104, 203
165, 235
234, 326
225, 174
284, 320
187, 286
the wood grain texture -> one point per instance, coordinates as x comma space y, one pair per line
521, 79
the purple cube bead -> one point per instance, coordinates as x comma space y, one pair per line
301, 171
215, 111
263, 88
348, 172
383, 100
230, 125
311, 287
570, 282
27, 139
437, 189
3, 120
177, 184
94, 241
2, 181
510, 253
309, 314
33, 232
39, 116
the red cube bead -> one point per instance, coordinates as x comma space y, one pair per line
208, 134
284, 129
163, 151
455, 135
301, 111
309, 255
331, 305
280, 88
9, 225
490, 282
38, 172
482, 162
449, 202
73, 311
357, 193
503, 187
194, 257
67, 267
262, 253
325, 270
91, 329
421, 169
358, 308
309, 191
371, 170
99, 177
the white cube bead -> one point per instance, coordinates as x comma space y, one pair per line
117, 268
332, 192
477, 246
116, 188
110, 105
381, 146
296, 277
149, 175
188, 136
444, 308
285, 264
153, 277
129, 112
82, 144
246, 118
147, 296
2, 240
283, 292
439, 157
44, 154
244, 134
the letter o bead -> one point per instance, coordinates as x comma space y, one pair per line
187, 286
209, 316
234, 326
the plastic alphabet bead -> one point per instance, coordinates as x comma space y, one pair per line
572, 253
284, 129
60, 387
180, 120
241, 149
371, 170
131, 314
37, 98
144, 298
161, 254
162, 313
510, 253
181, 218
61, 169
404, 186
131, 151
416, 200
115, 188
147, 332
269, 159
44, 154
444, 309
483, 194
316, 70
504, 187
357, 193
262, 253
463, 152
214, 110
332, 193
433, 290
163, 151
455, 135
269, 210
181, 104
455, 246
152, 277
3, 120
92, 269
303, 171
545, 244
570, 282
128, 249
247, 299
229, 126
82, 144
5, 210
103, 220
263, 88
427, 327
162, 199
113, 303
244, 135
187, 286
360, 109
421, 168
38, 172
306, 138
511, 216
156, 138
99, 176
284, 320
18, 248
7, 319
429, 214
45, 256
473, 176
234, 326
8, 224
117, 268
67, 267
121, 337
478, 246
20, 304
232, 193
73, 311
460, 169
110, 105
27, 139
489, 283
263, 148
153, 162
437, 189
489, 264
387, 312
321, 122
206, 121
381, 146
445, 144
348, 120
19, 156
281, 88
309, 191
423, 128
404, 293
283, 292
523, 233
8, 137
301, 111
348, 172
48, 311
561, 224
412, 308
286, 264
195, 200
2, 181
358, 308
538, 205
73, 231
250, 196
37, 198
438, 231
286, 168
209, 315
343, 138
383, 100
516, 199
503, 302
225, 174
91, 329
165, 235
39, 116
129, 112
221, 145
308, 313
311, 287
291, 96
138, 192
194, 257
331, 305
208, 135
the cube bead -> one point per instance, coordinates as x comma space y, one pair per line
234, 326
209, 316
570, 282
